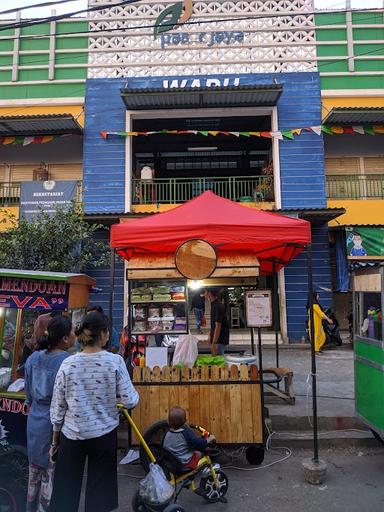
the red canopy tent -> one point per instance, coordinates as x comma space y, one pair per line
230, 227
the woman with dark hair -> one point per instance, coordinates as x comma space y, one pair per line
40, 373
85, 420
318, 317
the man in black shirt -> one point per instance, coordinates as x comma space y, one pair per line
219, 335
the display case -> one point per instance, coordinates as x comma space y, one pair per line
158, 307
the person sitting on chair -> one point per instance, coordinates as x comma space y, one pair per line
182, 442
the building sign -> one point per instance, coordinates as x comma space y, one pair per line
365, 241
47, 196
36, 294
173, 15
258, 307
206, 39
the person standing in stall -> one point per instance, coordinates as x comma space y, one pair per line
85, 419
219, 335
40, 373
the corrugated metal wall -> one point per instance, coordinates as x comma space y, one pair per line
104, 164
102, 276
297, 282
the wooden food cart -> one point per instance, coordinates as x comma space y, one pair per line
24, 295
216, 242
368, 340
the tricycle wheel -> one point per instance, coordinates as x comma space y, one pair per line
212, 493
12, 497
137, 503
154, 438
255, 454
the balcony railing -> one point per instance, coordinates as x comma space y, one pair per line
10, 193
368, 186
179, 190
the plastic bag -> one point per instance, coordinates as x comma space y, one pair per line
155, 488
186, 351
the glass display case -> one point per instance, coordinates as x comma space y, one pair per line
158, 307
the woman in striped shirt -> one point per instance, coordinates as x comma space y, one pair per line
85, 420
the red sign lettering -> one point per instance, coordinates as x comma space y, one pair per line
40, 302
20, 303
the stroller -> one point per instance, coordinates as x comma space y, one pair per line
332, 331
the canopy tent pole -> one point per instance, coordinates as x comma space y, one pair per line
313, 354
276, 323
111, 293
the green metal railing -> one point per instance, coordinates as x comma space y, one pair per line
179, 190
368, 186
10, 193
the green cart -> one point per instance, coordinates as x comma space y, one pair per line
368, 304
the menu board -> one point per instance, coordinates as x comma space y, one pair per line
258, 307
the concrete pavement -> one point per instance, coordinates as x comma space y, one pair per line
354, 483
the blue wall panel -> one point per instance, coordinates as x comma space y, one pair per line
102, 276
104, 161
297, 282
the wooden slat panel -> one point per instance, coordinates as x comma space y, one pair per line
231, 411
374, 165
343, 165
66, 171
22, 172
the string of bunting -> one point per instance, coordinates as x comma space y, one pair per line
26, 141
281, 134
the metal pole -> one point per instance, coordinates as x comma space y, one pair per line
313, 354
252, 341
275, 302
261, 378
111, 292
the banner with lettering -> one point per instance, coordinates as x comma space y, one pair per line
48, 196
35, 294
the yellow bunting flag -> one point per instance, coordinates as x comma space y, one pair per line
8, 140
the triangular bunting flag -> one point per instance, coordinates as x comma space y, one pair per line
277, 135
358, 129
316, 129
288, 134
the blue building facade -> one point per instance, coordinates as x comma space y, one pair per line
300, 168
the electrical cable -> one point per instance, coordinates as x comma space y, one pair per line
174, 25
58, 17
33, 6
86, 52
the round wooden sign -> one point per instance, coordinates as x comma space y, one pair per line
195, 259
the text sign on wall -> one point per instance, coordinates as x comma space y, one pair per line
13, 421
258, 307
47, 196
36, 294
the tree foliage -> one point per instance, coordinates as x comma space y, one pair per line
59, 242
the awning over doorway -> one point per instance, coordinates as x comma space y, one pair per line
230, 227
357, 116
52, 124
202, 97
